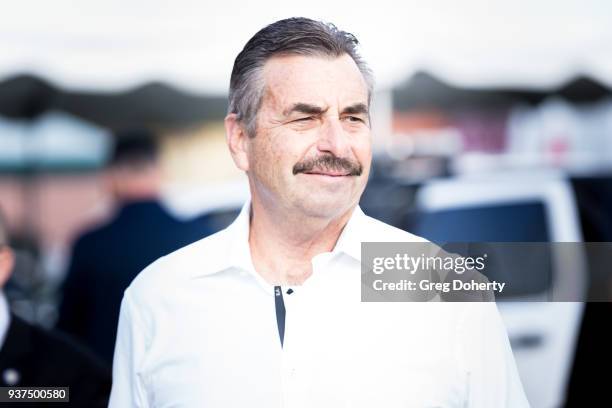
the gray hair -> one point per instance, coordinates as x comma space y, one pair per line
292, 36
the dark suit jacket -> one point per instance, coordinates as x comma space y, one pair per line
40, 358
107, 259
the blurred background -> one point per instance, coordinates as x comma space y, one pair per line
488, 114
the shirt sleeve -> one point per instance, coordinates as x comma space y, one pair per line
128, 389
493, 379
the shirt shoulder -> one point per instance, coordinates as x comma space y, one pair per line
176, 269
378, 231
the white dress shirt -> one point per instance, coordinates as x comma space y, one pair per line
198, 329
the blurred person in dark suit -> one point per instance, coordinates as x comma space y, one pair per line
107, 258
34, 357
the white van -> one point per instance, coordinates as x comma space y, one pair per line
519, 207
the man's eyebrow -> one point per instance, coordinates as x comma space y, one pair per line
305, 108
356, 109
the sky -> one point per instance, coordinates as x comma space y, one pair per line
112, 45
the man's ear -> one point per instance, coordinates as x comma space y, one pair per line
7, 262
237, 141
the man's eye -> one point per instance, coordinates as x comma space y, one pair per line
354, 119
305, 119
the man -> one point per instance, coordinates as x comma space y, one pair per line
34, 357
267, 312
107, 258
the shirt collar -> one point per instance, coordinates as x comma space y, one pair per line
238, 253
352, 235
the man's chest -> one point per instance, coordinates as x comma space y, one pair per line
337, 352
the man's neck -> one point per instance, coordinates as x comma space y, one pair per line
283, 245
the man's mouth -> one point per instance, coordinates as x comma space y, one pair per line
328, 173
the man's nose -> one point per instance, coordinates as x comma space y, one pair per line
333, 138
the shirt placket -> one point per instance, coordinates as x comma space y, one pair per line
297, 362
290, 375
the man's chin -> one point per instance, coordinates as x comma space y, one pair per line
325, 207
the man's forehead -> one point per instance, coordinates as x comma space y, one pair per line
314, 80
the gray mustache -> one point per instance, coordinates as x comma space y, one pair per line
328, 163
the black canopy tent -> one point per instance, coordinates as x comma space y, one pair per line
424, 90
153, 105
160, 105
